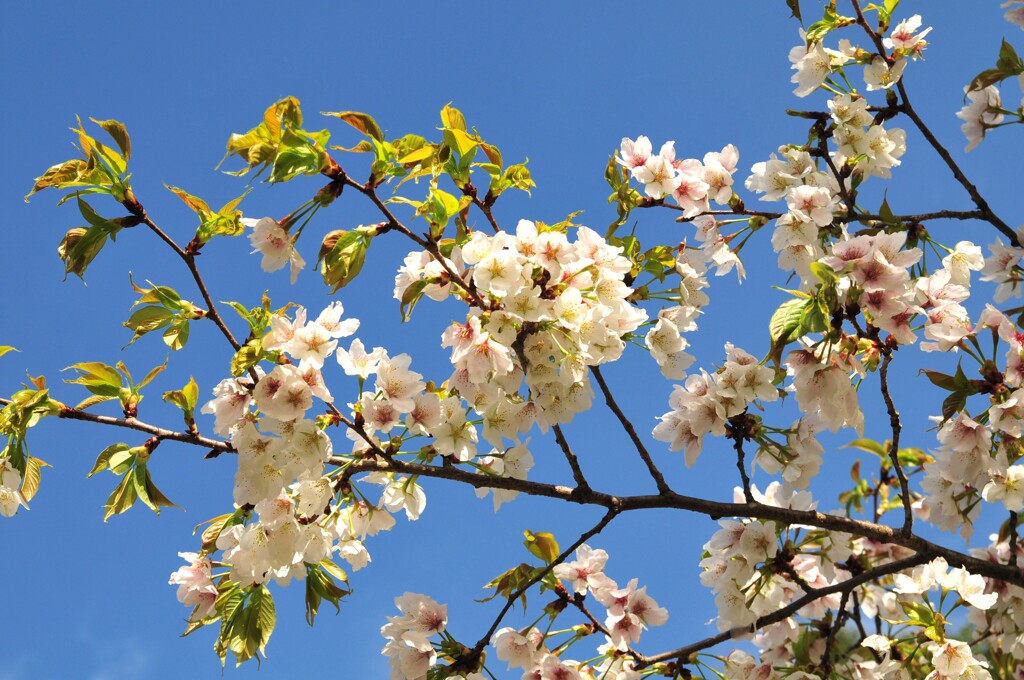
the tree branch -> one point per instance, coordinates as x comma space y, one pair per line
335, 172
574, 464
189, 258
713, 509
587, 535
907, 108
894, 444
684, 653
134, 424
627, 425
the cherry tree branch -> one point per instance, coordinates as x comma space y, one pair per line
894, 443
849, 217
837, 624
135, 424
188, 256
577, 473
335, 172
483, 205
713, 509
587, 496
906, 107
474, 654
684, 653
627, 425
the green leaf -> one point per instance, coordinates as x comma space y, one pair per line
987, 77
81, 245
460, 141
292, 161
97, 377
254, 625
103, 462
785, 322
819, 29
258, 147
510, 582
146, 319
122, 498
824, 273
147, 491
118, 133
794, 8
246, 357
918, 612
153, 372
74, 173
411, 295
868, 445
342, 255
542, 545
1008, 61
176, 335
953, 404
360, 121
946, 382
185, 398
195, 204
452, 118
32, 477
885, 212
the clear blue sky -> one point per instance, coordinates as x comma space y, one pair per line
541, 80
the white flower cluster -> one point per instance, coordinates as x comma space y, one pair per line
691, 183
937, 574
1003, 268
409, 649
800, 459
705, 402
814, 63
874, 149
745, 591
271, 240
630, 610
10, 489
195, 585
558, 306
1005, 618
824, 391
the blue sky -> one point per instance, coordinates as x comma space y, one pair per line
540, 80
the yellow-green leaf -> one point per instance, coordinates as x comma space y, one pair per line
360, 121
542, 545
118, 133
30, 483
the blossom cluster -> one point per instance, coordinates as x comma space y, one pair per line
705, 402
629, 611
557, 307
814, 63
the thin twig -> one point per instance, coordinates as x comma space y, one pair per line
391, 222
684, 653
570, 457
741, 464
894, 444
190, 262
587, 535
837, 624
627, 425
135, 424
1013, 538
907, 108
